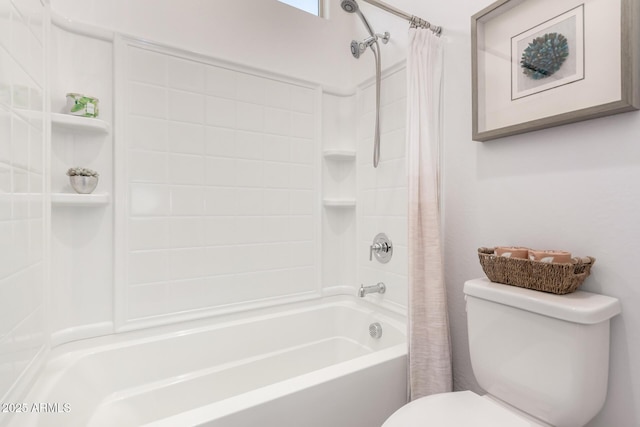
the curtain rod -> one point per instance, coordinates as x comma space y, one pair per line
414, 20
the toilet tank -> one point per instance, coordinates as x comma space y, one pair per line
544, 354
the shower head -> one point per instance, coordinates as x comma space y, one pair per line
358, 48
350, 6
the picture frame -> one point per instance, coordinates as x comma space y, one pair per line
543, 63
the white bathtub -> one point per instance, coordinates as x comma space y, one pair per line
309, 364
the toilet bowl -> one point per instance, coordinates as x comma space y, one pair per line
543, 360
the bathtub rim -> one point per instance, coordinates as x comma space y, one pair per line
159, 332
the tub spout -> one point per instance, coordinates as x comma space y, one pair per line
380, 288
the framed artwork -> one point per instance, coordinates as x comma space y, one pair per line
543, 63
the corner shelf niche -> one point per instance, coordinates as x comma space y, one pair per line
338, 154
339, 203
78, 200
75, 124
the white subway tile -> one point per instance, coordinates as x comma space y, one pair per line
393, 116
220, 112
249, 173
36, 150
302, 125
6, 249
5, 187
303, 151
395, 143
276, 202
221, 201
147, 67
187, 201
220, 142
220, 230
277, 121
277, 148
186, 75
302, 177
20, 140
250, 117
184, 295
187, 263
224, 260
5, 24
250, 88
303, 279
302, 202
6, 150
149, 200
220, 82
302, 99
20, 185
278, 94
250, 229
146, 133
148, 267
276, 229
249, 145
249, 201
147, 166
146, 301
394, 88
148, 233
302, 254
186, 169
301, 228
36, 241
186, 107
147, 101
277, 175
220, 171
186, 232
186, 138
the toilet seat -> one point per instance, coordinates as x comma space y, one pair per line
458, 409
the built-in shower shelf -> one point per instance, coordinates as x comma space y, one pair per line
339, 203
339, 154
73, 199
86, 125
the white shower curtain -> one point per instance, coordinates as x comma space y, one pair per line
429, 340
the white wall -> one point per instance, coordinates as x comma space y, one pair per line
572, 187
23, 134
266, 34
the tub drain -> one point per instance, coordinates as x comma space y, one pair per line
375, 330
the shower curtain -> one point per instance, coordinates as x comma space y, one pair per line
429, 340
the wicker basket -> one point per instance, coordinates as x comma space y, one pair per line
540, 276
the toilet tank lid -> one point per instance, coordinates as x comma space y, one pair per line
578, 307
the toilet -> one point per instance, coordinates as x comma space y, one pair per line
543, 360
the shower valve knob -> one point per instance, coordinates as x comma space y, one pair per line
381, 248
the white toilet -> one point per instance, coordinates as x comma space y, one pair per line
542, 358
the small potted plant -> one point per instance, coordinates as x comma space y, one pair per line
83, 180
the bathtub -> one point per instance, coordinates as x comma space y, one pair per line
311, 364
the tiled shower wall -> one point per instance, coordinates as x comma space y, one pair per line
382, 191
22, 208
222, 183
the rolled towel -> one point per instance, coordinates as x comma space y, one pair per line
558, 257
512, 252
